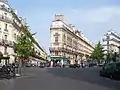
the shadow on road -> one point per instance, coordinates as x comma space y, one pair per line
85, 75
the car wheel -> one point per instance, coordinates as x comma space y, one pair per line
111, 76
100, 73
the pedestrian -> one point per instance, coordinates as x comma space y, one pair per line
0, 65
51, 64
82, 64
13, 67
62, 63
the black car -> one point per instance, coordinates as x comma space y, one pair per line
111, 70
74, 66
92, 64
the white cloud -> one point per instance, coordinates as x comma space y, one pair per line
96, 15
95, 22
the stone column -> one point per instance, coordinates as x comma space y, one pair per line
72, 60
78, 59
51, 64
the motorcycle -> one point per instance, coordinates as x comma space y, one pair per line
7, 72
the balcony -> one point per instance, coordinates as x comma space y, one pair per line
5, 42
5, 9
11, 43
34, 54
68, 50
54, 49
16, 25
5, 19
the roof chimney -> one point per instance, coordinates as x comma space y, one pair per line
59, 17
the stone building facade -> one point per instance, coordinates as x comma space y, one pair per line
11, 26
111, 42
67, 42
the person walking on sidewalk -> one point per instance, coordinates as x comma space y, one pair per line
13, 68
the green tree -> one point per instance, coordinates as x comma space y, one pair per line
24, 45
97, 54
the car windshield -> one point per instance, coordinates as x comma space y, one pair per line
110, 66
118, 65
59, 44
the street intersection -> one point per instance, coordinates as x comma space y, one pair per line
60, 79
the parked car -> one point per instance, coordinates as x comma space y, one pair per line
47, 64
101, 65
74, 66
42, 65
92, 64
28, 65
111, 70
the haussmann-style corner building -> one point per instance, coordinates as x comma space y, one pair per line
68, 43
11, 26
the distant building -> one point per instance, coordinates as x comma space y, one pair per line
111, 42
67, 42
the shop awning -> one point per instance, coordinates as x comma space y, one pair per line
59, 58
4, 57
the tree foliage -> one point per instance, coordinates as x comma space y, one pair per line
97, 54
24, 45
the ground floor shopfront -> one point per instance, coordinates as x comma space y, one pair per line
74, 56
36, 61
72, 59
59, 61
4, 59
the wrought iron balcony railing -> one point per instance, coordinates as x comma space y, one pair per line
5, 9
6, 42
5, 19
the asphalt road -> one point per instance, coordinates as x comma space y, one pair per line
60, 79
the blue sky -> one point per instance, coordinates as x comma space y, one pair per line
93, 17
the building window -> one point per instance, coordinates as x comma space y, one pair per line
56, 53
64, 38
5, 37
15, 36
39, 53
2, 17
5, 14
56, 37
5, 50
6, 26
